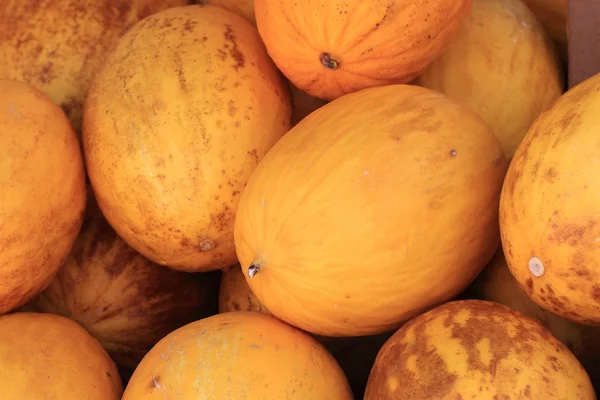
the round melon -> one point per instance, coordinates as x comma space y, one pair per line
57, 46
475, 349
46, 356
42, 191
375, 207
329, 48
235, 294
238, 355
124, 300
503, 65
549, 210
175, 122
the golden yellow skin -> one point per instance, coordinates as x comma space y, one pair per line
549, 210
553, 16
476, 350
58, 45
238, 355
124, 300
501, 64
372, 209
184, 109
329, 48
236, 295
42, 192
46, 356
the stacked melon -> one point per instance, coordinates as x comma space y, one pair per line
288, 200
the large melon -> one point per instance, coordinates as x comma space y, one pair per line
329, 48
503, 65
124, 300
377, 206
476, 350
42, 191
238, 355
549, 210
58, 45
174, 124
46, 356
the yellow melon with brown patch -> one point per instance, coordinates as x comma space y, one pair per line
549, 208
474, 349
42, 191
124, 300
503, 65
175, 122
58, 45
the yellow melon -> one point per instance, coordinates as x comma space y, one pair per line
238, 355
372, 209
476, 350
503, 65
42, 191
174, 124
549, 210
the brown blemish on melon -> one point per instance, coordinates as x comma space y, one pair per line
154, 382
206, 245
233, 49
328, 61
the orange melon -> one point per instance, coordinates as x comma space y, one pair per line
45, 356
58, 45
377, 206
476, 350
174, 124
42, 191
238, 355
329, 48
503, 65
549, 210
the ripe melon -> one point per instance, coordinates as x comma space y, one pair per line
46, 356
475, 349
503, 65
549, 210
42, 191
174, 124
58, 45
238, 355
377, 206
329, 48
124, 300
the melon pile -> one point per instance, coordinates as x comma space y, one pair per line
323, 200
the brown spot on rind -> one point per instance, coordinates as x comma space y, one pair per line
328, 61
206, 245
234, 51
154, 382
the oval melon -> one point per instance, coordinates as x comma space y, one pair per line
42, 191
549, 210
124, 300
58, 45
475, 349
46, 356
503, 65
238, 355
329, 48
174, 124
375, 207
